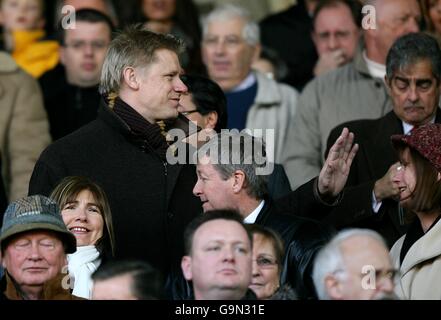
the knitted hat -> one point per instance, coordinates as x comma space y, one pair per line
35, 213
426, 140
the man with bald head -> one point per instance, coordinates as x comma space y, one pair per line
354, 91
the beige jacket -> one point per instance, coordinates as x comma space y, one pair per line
273, 108
421, 269
24, 128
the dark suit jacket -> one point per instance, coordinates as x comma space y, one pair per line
278, 182
372, 161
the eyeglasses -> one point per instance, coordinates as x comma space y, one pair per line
186, 113
265, 263
81, 45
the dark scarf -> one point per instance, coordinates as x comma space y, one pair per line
150, 134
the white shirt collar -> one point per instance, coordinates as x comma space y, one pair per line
408, 127
376, 70
252, 217
246, 83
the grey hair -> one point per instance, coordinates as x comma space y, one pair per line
410, 49
250, 32
229, 151
330, 258
134, 47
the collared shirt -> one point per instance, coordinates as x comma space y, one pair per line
246, 83
252, 217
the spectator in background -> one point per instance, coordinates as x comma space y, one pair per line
336, 33
24, 36
353, 91
432, 17
217, 260
86, 213
180, 18
34, 242
127, 280
70, 90
289, 34
270, 64
354, 265
24, 130
231, 43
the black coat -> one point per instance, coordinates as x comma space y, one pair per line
374, 157
289, 33
151, 201
68, 107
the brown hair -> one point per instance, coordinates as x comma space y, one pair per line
67, 191
427, 192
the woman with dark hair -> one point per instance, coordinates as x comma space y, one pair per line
418, 252
204, 103
86, 213
181, 19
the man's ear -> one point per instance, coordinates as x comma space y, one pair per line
333, 287
211, 120
130, 78
387, 81
41, 22
437, 179
257, 50
238, 181
62, 52
186, 268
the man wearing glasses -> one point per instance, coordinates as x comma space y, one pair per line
70, 90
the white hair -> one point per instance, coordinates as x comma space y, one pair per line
330, 258
250, 32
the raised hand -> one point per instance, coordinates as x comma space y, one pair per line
335, 171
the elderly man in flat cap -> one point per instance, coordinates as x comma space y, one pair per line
34, 242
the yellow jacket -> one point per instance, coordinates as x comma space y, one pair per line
33, 55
